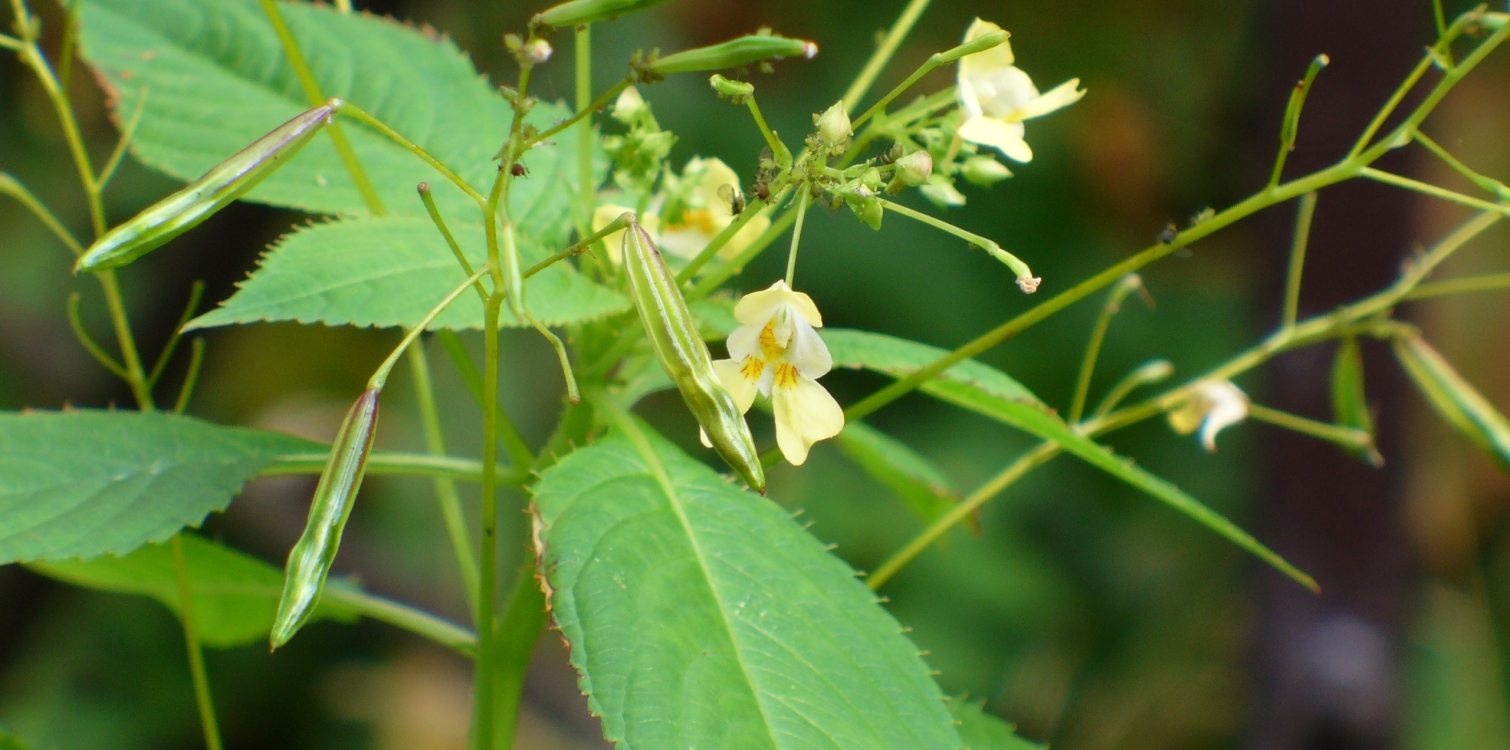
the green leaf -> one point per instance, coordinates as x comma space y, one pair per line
988, 391
390, 271
1349, 405
1455, 399
88, 483
925, 489
701, 615
217, 79
982, 731
235, 594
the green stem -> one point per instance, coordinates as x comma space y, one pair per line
483, 679
403, 616
1432, 190
196, 657
398, 464
1492, 186
316, 98
1298, 258
518, 631
1347, 437
791, 257
380, 376
191, 375
445, 231
883, 53
119, 153
196, 291
361, 115
989, 41
715, 279
577, 116
13, 187
445, 488
778, 149
589, 193
1485, 283
1098, 335
81, 333
757, 207
1025, 278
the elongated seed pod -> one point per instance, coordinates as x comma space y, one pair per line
745, 50
309, 561
674, 337
1454, 398
578, 12
185, 209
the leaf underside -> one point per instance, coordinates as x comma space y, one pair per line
235, 594
390, 271
88, 483
701, 615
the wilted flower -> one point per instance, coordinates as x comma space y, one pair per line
997, 97
776, 352
1213, 406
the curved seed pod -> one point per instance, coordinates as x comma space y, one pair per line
185, 209
674, 337
578, 12
745, 50
309, 560
1454, 398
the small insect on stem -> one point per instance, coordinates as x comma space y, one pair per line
519, 170
731, 195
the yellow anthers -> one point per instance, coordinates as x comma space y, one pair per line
776, 352
1213, 406
674, 337
996, 97
200, 199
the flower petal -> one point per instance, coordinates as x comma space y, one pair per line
735, 376
760, 306
744, 341
995, 58
1001, 135
1059, 97
808, 352
805, 414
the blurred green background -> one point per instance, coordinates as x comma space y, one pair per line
1086, 613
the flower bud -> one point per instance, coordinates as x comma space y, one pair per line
731, 89
985, 171
579, 12
915, 168
200, 199
833, 125
867, 208
941, 192
684, 356
629, 105
745, 50
309, 561
534, 52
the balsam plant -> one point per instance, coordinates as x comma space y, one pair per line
698, 612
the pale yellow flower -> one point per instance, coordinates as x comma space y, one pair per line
996, 97
707, 213
1213, 406
776, 352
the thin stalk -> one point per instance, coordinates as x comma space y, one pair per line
12, 187
445, 231
1347, 437
884, 52
202, 696
777, 147
1298, 258
518, 631
1390, 105
361, 115
135, 376
791, 257
578, 247
70, 40
1492, 186
380, 376
196, 291
1432, 190
81, 333
316, 98
1485, 283
757, 207
589, 193
1113, 304
191, 375
518, 450
396, 464
934, 61
403, 616
445, 488
487, 586
715, 279
1151, 372
1024, 274
577, 116
120, 147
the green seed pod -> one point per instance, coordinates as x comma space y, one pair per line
746, 50
579, 12
677, 344
185, 209
309, 560
1454, 398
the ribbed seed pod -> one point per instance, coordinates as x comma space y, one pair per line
674, 337
579, 12
745, 50
1454, 398
185, 209
309, 560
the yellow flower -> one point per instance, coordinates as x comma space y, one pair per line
997, 96
707, 213
1213, 406
777, 352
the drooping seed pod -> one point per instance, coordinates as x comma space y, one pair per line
185, 209
309, 561
677, 344
745, 50
578, 12
1454, 398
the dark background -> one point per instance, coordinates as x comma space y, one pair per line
1086, 613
